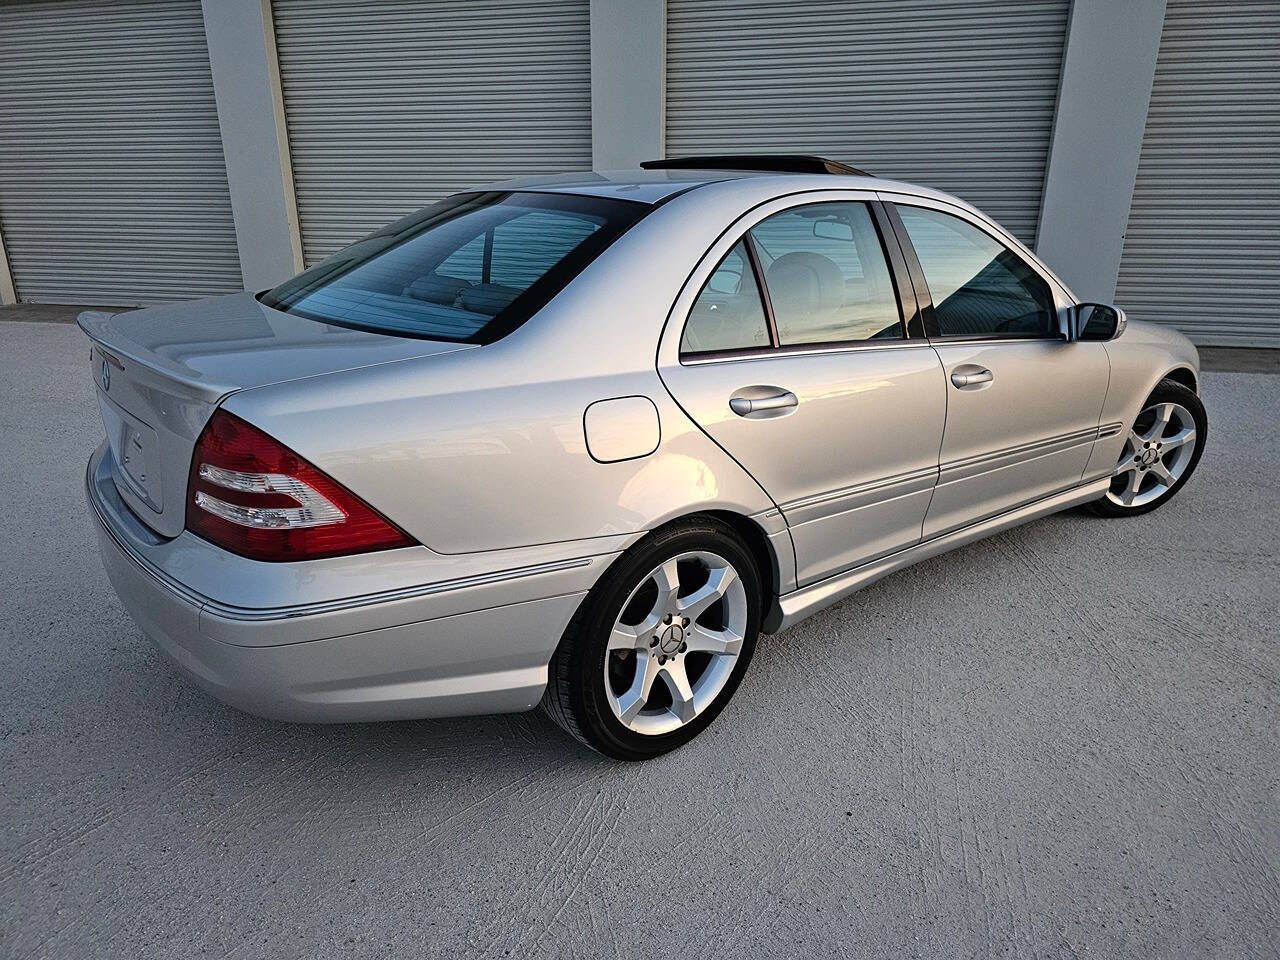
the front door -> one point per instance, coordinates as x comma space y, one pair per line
793, 358
1022, 402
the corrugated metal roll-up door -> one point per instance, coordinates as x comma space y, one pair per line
1202, 249
955, 94
113, 187
392, 105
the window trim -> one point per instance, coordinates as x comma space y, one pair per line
925, 297
908, 309
800, 349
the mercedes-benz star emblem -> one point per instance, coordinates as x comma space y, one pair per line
106, 375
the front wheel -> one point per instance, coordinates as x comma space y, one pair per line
660, 644
1160, 453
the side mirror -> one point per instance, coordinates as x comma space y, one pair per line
1097, 322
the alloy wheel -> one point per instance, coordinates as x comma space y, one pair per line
1156, 454
675, 642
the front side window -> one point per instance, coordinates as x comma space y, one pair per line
728, 314
826, 275
470, 268
979, 286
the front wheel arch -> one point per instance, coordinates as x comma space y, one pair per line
1185, 376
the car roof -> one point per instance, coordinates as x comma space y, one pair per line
659, 186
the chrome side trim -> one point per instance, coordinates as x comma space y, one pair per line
794, 607
886, 488
995, 459
1109, 430
859, 495
960, 339
230, 612
776, 353
94, 494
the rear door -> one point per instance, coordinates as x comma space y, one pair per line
788, 346
1022, 402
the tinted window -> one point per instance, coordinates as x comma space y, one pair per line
472, 267
978, 285
728, 314
826, 275
528, 246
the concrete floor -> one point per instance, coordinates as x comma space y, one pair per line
1060, 742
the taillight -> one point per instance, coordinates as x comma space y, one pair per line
256, 497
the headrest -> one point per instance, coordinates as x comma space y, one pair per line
488, 298
804, 283
434, 288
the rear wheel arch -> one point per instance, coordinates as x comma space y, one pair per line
767, 564
757, 541
748, 530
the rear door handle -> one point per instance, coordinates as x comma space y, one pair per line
762, 402
971, 379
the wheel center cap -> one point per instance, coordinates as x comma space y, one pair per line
671, 639
1148, 457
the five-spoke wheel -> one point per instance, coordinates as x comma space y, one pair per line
1162, 448
659, 646
1156, 454
683, 626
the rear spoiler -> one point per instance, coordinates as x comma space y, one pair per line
92, 323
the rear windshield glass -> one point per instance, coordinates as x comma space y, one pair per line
470, 268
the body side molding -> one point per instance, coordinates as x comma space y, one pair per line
794, 607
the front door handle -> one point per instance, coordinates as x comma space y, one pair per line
762, 402
970, 377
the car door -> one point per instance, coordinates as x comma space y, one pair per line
1023, 403
788, 347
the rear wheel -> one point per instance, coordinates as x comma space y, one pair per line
659, 646
1160, 453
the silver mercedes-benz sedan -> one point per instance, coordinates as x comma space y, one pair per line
579, 440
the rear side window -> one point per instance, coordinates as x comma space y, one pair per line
979, 286
728, 314
826, 275
470, 268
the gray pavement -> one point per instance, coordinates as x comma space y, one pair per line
1060, 742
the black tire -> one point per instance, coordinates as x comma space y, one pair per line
1166, 391
576, 698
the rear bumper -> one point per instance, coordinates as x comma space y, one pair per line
329, 666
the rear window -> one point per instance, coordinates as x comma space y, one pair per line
470, 268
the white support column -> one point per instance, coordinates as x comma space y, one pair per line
246, 85
1107, 71
7, 292
628, 82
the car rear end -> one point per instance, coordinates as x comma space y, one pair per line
273, 585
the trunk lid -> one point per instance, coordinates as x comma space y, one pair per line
160, 373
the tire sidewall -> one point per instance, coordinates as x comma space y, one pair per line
589, 648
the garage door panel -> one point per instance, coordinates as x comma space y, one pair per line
1201, 250
391, 105
957, 95
113, 187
